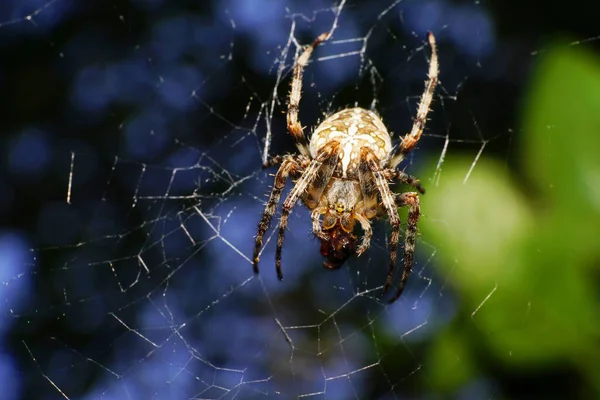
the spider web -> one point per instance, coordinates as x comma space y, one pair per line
135, 186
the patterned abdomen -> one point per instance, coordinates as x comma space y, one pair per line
353, 128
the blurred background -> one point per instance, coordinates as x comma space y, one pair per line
133, 134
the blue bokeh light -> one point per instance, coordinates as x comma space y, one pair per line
15, 262
468, 26
30, 153
9, 376
146, 134
16, 268
262, 26
467, 20
177, 86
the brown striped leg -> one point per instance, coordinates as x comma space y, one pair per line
294, 126
289, 166
410, 140
410, 200
395, 175
388, 202
327, 156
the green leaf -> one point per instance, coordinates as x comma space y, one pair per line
524, 260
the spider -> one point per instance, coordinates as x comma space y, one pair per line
343, 174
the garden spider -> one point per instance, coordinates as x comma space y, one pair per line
343, 174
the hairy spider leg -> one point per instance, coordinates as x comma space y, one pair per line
410, 140
329, 155
293, 124
410, 200
291, 165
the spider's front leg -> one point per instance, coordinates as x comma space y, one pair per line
290, 165
319, 169
410, 140
293, 124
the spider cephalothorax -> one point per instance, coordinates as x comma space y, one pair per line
343, 176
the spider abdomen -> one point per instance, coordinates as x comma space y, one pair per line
353, 128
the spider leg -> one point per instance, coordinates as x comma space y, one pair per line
410, 200
293, 124
275, 160
395, 175
387, 199
368, 187
315, 190
289, 166
368, 207
367, 234
410, 140
316, 223
317, 186
310, 174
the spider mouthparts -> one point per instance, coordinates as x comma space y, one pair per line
340, 246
